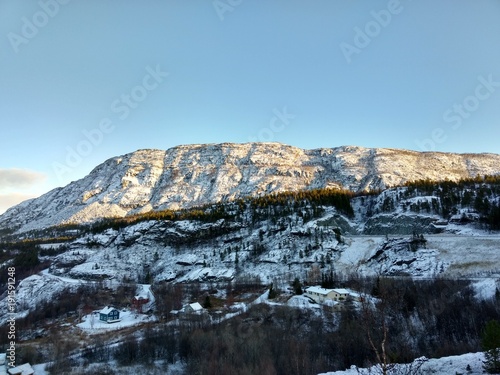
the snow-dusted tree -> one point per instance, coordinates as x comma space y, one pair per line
491, 347
377, 316
378, 345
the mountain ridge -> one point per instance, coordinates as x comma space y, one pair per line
191, 175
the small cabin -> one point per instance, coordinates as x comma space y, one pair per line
138, 303
143, 300
109, 315
193, 308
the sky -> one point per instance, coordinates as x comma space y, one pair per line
82, 81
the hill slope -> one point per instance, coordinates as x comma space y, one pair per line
192, 175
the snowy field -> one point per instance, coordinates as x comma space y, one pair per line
91, 323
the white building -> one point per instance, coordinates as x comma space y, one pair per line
340, 294
193, 308
321, 295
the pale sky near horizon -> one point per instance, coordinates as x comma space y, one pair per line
85, 80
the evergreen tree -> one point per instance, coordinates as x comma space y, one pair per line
272, 292
491, 346
148, 278
207, 304
327, 280
338, 236
297, 286
27, 258
376, 288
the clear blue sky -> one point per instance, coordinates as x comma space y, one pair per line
404, 74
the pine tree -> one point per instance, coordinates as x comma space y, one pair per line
376, 288
207, 304
491, 346
297, 287
272, 292
148, 278
338, 236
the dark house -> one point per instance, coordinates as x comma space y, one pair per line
109, 314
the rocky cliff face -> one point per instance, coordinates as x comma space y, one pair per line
187, 176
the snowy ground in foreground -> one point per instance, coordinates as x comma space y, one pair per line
128, 319
436, 366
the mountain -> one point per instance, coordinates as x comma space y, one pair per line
193, 175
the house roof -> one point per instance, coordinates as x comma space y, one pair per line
325, 291
319, 290
24, 369
341, 291
196, 306
107, 310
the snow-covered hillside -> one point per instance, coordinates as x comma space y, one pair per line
194, 175
194, 251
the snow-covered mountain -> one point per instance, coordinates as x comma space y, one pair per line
193, 175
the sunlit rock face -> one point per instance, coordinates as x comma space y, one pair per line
193, 175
